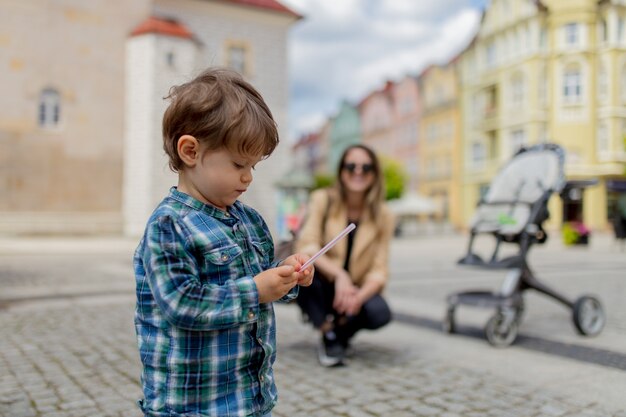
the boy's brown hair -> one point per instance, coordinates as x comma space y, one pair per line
220, 109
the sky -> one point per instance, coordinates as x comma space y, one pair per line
345, 49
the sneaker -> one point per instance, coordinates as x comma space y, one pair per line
349, 351
331, 352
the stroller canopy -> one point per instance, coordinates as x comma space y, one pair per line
524, 182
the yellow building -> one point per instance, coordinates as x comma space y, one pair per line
440, 147
548, 71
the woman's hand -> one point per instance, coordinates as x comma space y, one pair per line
346, 299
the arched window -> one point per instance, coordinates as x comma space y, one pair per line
49, 108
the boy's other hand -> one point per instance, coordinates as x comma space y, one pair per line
304, 277
274, 283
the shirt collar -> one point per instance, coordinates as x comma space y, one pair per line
195, 204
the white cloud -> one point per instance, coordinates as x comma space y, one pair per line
344, 49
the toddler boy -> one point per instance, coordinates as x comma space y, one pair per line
205, 272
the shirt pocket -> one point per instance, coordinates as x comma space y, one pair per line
223, 263
263, 250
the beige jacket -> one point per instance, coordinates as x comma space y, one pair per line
370, 250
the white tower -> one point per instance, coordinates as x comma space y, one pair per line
250, 37
159, 53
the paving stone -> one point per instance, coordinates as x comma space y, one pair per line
52, 363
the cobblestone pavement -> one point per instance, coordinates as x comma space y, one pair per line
424, 273
67, 344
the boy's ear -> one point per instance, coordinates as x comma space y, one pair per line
188, 149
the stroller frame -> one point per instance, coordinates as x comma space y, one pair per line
501, 329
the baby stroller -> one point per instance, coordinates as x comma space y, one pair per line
513, 211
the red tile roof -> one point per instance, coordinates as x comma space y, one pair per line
162, 26
266, 4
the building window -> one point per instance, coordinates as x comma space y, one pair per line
622, 139
572, 87
49, 108
478, 153
571, 32
516, 44
446, 168
491, 101
492, 143
602, 139
623, 84
543, 133
170, 59
543, 39
518, 139
483, 189
238, 57
431, 168
604, 31
431, 132
620, 31
603, 84
491, 55
526, 39
517, 90
407, 105
476, 105
543, 86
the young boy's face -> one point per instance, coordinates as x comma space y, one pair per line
219, 177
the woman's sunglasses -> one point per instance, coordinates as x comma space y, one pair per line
365, 168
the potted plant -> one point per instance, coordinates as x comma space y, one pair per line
575, 233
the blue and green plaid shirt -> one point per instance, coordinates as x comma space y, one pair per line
206, 344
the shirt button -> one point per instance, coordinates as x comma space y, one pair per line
251, 314
260, 341
224, 257
262, 378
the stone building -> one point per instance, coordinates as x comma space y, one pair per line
80, 117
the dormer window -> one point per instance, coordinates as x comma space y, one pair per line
49, 108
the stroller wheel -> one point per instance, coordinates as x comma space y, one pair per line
448, 325
500, 330
588, 316
519, 314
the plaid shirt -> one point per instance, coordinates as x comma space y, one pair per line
206, 344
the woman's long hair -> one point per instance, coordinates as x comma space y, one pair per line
375, 194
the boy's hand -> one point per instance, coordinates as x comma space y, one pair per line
304, 277
274, 283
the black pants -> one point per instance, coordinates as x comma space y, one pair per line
316, 301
